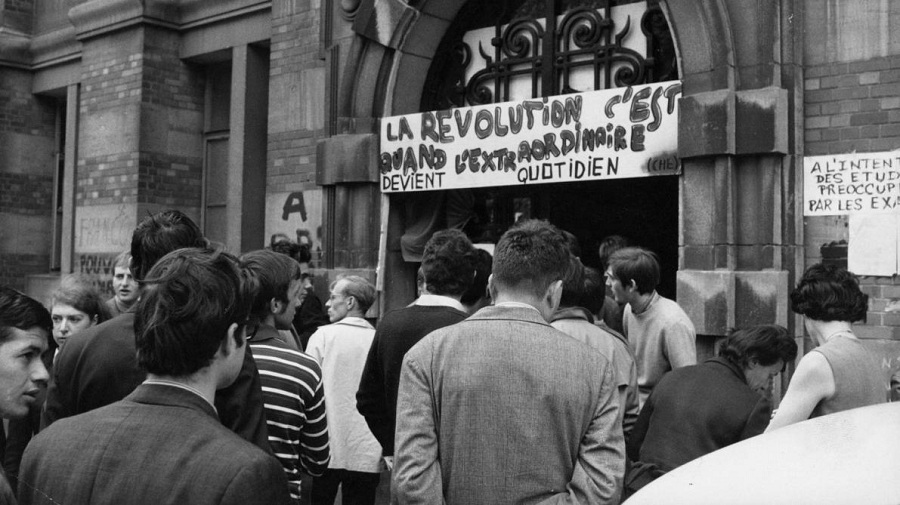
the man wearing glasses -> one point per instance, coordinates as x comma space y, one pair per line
291, 380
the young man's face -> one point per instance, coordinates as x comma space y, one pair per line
68, 321
619, 291
285, 317
337, 303
22, 373
125, 286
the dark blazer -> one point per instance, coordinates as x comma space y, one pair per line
98, 366
696, 410
160, 445
396, 333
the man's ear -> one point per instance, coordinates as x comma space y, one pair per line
631, 286
491, 289
229, 345
276, 306
554, 294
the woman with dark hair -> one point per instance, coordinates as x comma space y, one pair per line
698, 409
840, 374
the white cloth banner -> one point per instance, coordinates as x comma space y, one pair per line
605, 134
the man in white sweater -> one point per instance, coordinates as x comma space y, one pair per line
660, 333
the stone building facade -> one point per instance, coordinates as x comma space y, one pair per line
262, 117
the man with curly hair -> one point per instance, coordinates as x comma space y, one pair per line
840, 374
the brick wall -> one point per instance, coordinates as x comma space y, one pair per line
27, 161
172, 98
296, 95
108, 120
141, 119
17, 14
853, 107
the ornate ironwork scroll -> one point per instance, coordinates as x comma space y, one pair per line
549, 50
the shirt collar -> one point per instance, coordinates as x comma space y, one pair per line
572, 313
518, 305
354, 321
440, 300
179, 385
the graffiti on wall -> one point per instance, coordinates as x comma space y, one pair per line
103, 228
98, 269
297, 215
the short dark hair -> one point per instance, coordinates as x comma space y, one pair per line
159, 234
608, 246
269, 275
530, 256
478, 289
829, 293
637, 264
574, 244
192, 296
78, 292
20, 311
765, 344
287, 248
594, 290
573, 284
359, 288
448, 263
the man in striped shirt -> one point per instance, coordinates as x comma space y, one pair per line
291, 380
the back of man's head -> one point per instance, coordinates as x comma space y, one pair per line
608, 246
192, 296
270, 276
448, 263
594, 291
478, 290
529, 257
636, 264
18, 310
159, 234
573, 284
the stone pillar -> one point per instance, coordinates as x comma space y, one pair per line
27, 166
247, 148
298, 100
738, 141
139, 135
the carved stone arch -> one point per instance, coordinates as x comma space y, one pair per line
738, 249
703, 40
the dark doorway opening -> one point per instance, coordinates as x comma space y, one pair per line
644, 210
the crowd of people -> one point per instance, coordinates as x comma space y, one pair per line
518, 377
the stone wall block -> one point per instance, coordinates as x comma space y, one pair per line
348, 158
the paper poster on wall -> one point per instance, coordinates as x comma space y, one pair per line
874, 244
851, 183
596, 135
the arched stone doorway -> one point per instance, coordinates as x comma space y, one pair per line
740, 234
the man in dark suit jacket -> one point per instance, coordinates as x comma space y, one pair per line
163, 443
502, 407
698, 409
448, 270
97, 366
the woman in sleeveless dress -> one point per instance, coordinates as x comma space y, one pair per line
840, 374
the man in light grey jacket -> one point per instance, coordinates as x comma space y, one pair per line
502, 407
